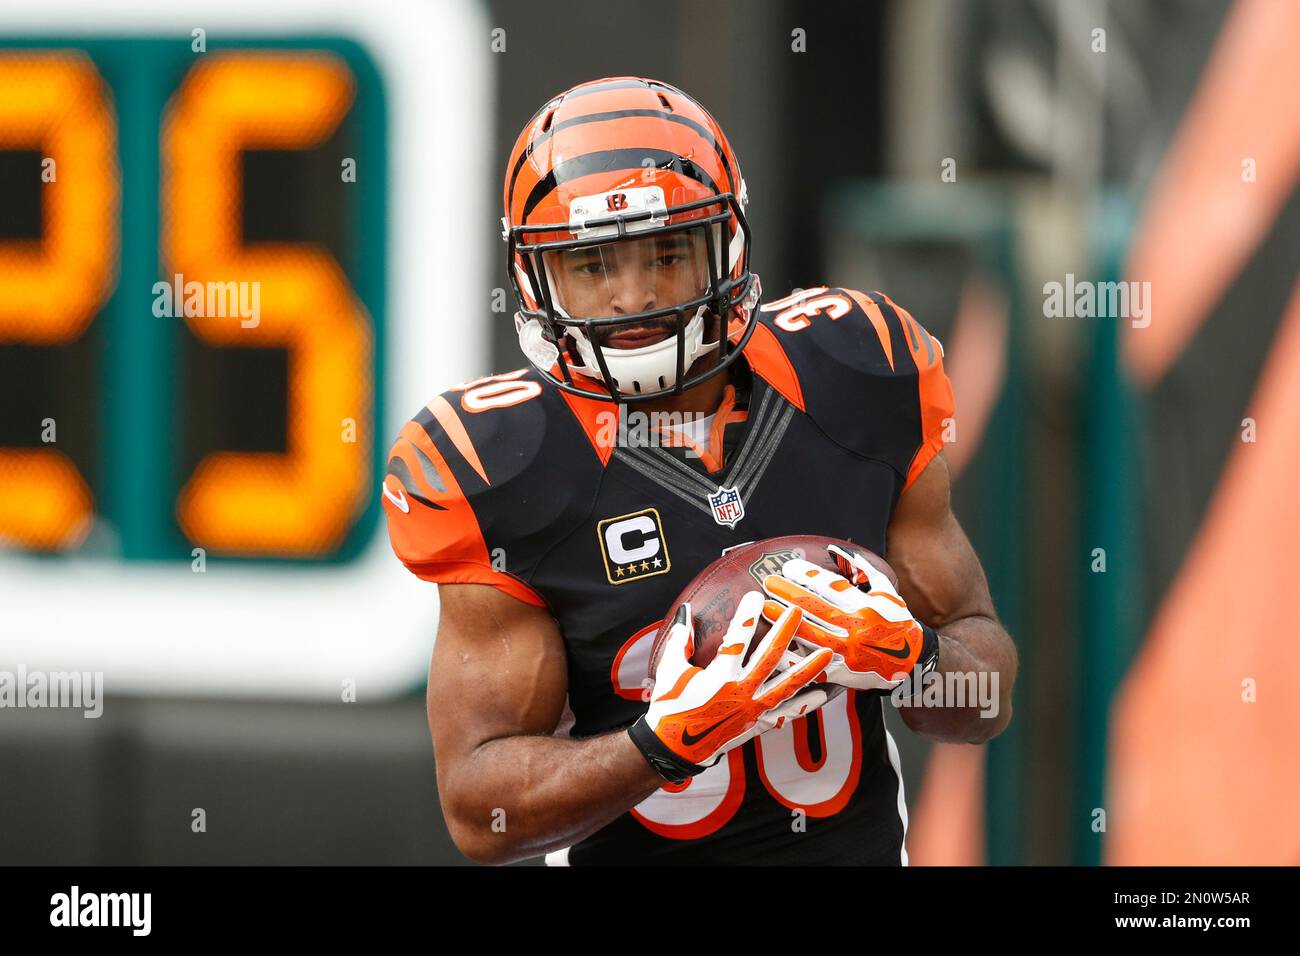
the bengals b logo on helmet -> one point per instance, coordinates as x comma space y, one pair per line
616, 202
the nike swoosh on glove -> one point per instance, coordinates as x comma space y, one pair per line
697, 714
875, 641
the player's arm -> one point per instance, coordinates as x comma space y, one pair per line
941, 580
510, 790
497, 684
881, 391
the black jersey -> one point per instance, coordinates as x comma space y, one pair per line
508, 481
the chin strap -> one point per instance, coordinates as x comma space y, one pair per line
544, 353
645, 365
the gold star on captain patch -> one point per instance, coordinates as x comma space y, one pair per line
618, 571
645, 565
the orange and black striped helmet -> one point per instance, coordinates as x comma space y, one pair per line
637, 164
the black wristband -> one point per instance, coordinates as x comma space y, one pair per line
670, 766
929, 658
926, 661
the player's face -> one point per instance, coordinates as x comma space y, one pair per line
630, 276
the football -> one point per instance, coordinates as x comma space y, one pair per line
715, 592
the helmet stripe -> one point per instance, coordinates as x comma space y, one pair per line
702, 130
607, 160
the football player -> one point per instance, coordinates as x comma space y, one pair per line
560, 536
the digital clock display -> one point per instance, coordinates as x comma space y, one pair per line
191, 296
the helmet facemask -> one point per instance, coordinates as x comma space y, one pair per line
633, 293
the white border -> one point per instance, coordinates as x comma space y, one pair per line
290, 632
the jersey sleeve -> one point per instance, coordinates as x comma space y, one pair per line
868, 374
934, 396
438, 530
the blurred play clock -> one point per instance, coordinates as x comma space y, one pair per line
220, 296
191, 295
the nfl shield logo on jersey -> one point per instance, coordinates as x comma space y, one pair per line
727, 506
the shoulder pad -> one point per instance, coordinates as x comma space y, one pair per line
484, 479
863, 369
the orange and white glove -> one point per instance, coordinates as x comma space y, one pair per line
858, 615
697, 714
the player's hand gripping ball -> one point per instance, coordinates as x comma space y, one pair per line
715, 593
856, 612
698, 713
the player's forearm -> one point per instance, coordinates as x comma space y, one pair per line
967, 698
525, 796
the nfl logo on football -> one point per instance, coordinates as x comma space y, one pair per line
727, 506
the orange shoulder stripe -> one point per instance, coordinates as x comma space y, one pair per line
919, 342
933, 388
878, 322
590, 413
768, 359
444, 543
455, 429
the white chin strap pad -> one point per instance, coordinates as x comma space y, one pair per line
649, 368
